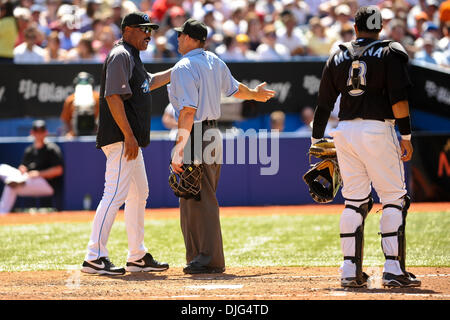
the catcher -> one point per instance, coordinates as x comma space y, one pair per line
372, 78
197, 81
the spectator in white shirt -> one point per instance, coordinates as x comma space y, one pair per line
346, 34
432, 9
270, 49
84, 52
228, 51
415, 10
269, 7
342, 15
68, 35
291, 36
236, 24
299, 9
444, 42
429, 53
243, 43
314, 6
29, 51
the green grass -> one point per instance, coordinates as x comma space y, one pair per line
302, 240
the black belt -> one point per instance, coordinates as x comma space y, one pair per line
209, 123
205, 125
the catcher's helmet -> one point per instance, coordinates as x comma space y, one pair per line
187, 184
323, 180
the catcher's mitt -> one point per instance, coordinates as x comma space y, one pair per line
323, 149
323, 180
187, 184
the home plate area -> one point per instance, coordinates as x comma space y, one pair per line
251, 283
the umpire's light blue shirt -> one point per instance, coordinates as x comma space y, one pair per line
197, 81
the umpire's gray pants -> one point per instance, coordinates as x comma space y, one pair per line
200, 221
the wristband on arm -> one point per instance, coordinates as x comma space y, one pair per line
404, 126
315, 140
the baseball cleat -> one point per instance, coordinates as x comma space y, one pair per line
101, 266
354, 282
146, 264
195, 268
391, 280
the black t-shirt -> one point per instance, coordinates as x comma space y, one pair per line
41, 159
384, 82
125, 75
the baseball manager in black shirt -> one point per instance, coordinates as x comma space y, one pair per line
372, 78
124, 128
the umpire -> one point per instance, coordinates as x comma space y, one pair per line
371, 75
197, 81
124, 128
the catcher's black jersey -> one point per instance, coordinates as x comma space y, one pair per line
383, 81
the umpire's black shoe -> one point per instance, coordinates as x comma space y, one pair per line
146, 264
354, 282
101, 266
196, 268
409, 280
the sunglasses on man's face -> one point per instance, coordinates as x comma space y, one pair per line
145, 29
179, 33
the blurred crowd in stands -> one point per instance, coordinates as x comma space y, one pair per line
84, 31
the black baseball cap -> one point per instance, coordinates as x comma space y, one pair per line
194, 29
138, 19
38, 125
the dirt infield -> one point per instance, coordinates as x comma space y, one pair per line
260, 283
263, 283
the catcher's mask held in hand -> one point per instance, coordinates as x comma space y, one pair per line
187, 184
323, 180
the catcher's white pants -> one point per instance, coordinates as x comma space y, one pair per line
125, 182
368, 153
31, 187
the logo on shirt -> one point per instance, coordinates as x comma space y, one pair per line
145, 86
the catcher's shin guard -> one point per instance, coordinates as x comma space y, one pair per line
358, 234
400, 234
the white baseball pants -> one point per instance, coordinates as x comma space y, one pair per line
32, 187
368, 153
125, 182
